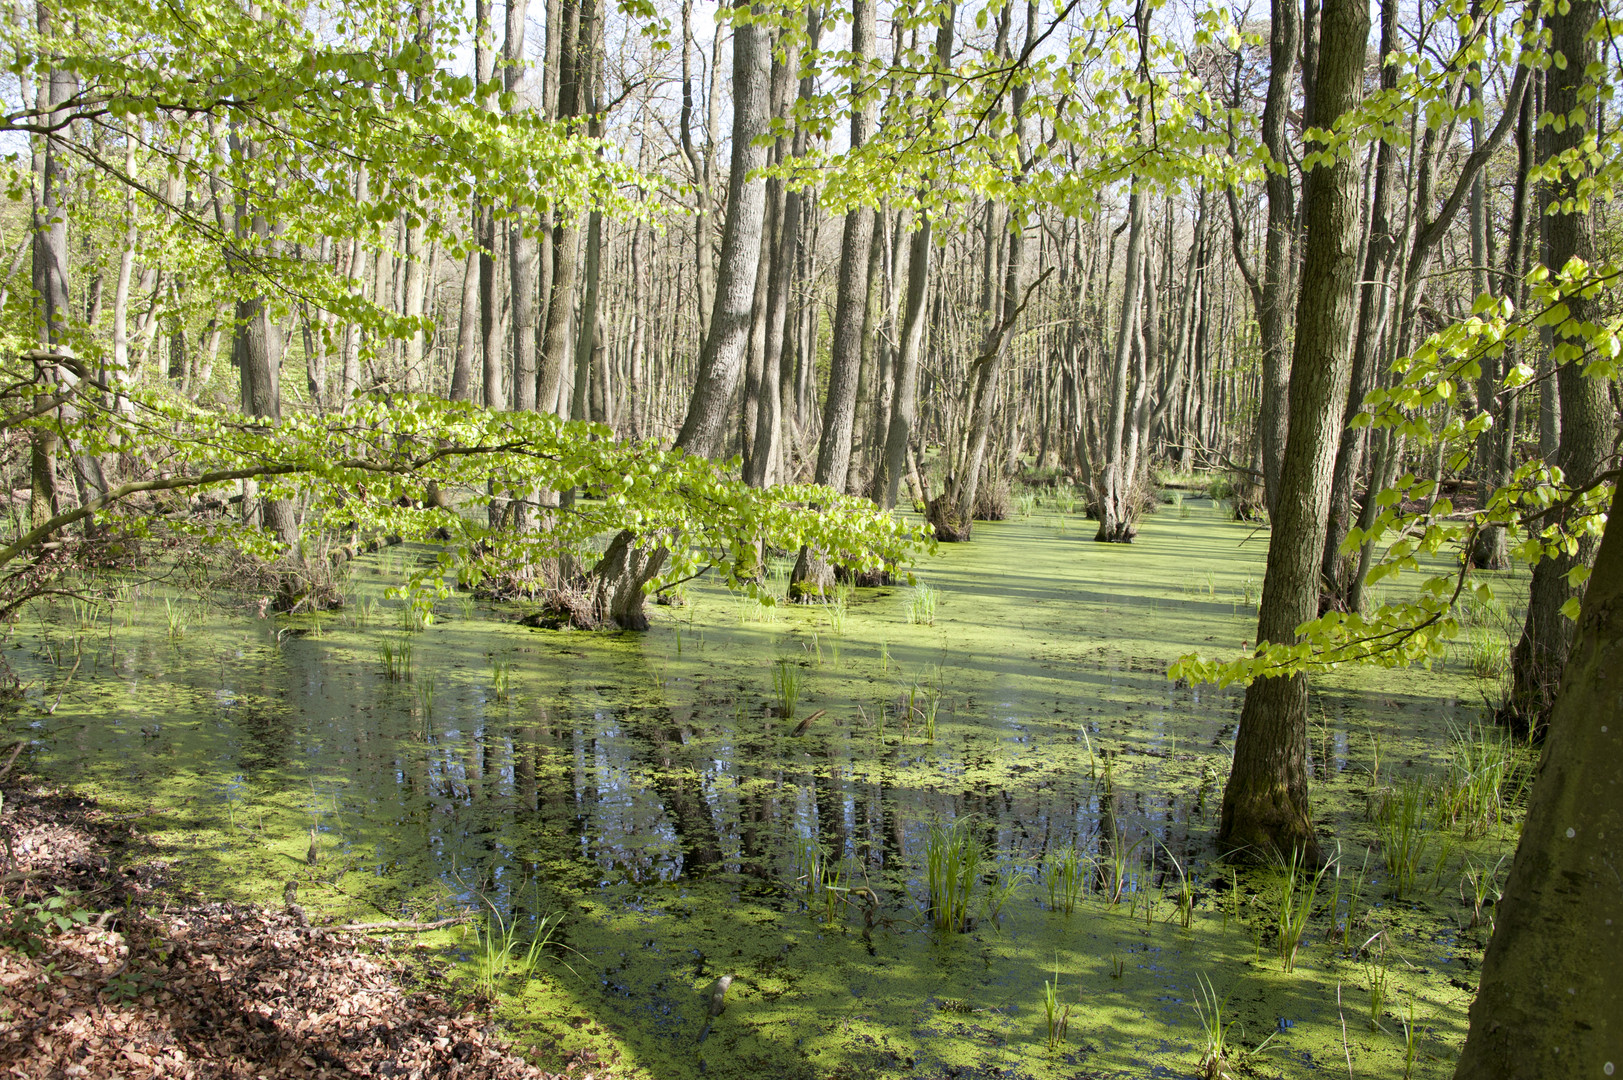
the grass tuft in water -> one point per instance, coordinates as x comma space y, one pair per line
1298, 889
175, 615
1218, 1055
395, 656
1487, 773
1004, 886
1411, 1041
837, 607
1479, 884
921, 612
1184, 897
952, 865
1400, 821
1064, 875
786, 685
1379, 982
1058, 1016
501, 677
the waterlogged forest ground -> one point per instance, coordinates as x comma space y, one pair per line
648, 798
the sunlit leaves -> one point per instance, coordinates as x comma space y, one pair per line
376, 470
1420, 538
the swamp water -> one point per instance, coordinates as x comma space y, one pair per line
650, 791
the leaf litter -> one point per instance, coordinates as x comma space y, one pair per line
145, 984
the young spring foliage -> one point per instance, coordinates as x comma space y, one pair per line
1546, 513
422, 468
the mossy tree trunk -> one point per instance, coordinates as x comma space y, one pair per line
1265, 803
1550, 1002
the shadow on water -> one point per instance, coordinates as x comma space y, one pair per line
650, 788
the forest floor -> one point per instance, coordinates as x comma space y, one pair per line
108, 970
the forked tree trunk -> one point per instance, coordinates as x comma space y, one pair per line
1265, 802
626, 568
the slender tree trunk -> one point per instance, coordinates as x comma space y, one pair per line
1491, 551
1113, 495
467, 331
700, 167
721, 361
1373, 305
1278, 260
1265, 802
1586, 411
813, 576
490, 334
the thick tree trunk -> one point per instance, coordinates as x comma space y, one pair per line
1550, 1002
1265, 802
620, 577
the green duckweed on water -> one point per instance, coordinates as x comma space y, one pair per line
647, 796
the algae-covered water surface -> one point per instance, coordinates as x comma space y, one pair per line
959, 829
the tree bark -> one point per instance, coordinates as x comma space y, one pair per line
721, 361
1586, 439
1272, 294
1550, 1002
1265, 802
1373, 305
813, 576
1112, 480
625, 569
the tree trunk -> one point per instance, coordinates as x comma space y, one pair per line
1550, 1002
1283, 39
625, 569
1265, 802
904, 406
1491, 551
721, 361
1373, 305
813, 576
467, 331
1113, 498
1586, 439
490, 334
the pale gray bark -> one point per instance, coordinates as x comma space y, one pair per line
721, 361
